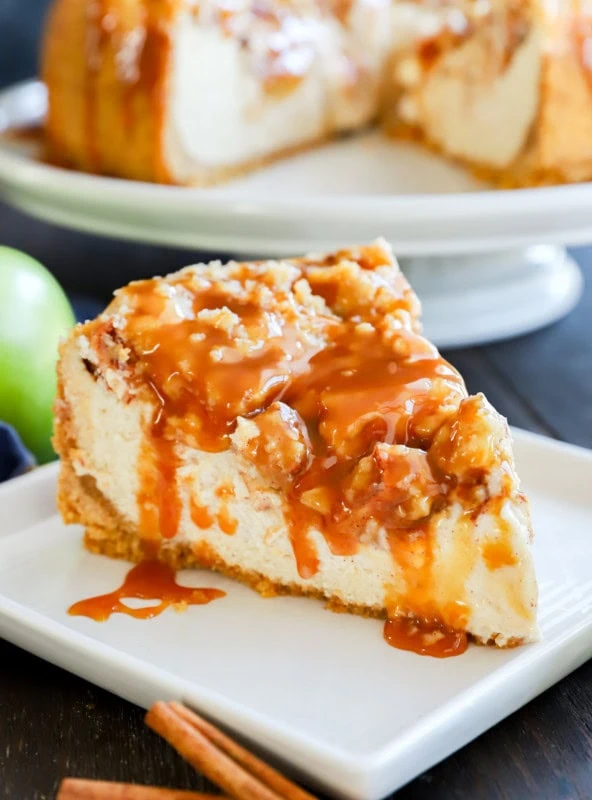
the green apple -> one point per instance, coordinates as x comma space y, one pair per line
34, 315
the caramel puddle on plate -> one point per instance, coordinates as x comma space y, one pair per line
148, 580
424, 637
153, 580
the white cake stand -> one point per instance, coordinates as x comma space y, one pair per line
487, 264
469, 300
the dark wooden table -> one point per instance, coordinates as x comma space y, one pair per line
53, 724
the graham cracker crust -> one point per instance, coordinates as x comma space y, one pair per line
215, 176
517, 176
201, 177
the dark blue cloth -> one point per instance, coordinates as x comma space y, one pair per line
14, 456
85, 307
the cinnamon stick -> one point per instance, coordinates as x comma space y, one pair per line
79, 789
204, 756
268, 775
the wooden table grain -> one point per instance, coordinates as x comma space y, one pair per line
53, 724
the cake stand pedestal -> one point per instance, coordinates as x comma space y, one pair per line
474, 299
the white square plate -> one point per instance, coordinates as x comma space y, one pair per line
319, 690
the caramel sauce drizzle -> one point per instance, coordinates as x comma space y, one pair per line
512, 21
200, 515
355, 378
581, 33
226, 522
498, 553
138, 56
148, 580
425, 637
33, 133
96, 40
352, 393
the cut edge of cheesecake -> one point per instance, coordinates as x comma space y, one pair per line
454, 110
249, 503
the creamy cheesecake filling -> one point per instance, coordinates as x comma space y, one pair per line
488, 122
473, 89
290, 416
223, 108
246, 76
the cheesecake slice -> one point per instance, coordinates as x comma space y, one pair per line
504, 86
285, 423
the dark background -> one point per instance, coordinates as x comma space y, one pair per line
20, 26
53, 724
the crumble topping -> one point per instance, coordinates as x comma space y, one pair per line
258, 439
467, 445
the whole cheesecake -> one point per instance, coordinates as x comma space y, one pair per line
286, 423
186, 92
